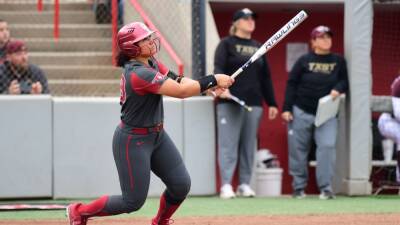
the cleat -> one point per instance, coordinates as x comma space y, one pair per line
227, 192
164, 222
326, 195
74, 218
245, 190
299, 194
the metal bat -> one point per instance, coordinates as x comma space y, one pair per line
271, 42
241, 102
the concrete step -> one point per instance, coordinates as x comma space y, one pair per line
82, 72
66, 30
71, 58
34, 17
68, 44
15, 5
84, 87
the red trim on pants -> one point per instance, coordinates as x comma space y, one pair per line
127, 159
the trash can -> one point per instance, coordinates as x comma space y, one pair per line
268, 182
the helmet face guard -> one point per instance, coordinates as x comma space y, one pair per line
129, 35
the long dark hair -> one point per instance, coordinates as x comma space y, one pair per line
122, 59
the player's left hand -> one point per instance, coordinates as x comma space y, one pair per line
272, 112
36, 88
334, 94
215, 92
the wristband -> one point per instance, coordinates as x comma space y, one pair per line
207, 82
174, 76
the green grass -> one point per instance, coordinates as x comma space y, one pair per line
213, 206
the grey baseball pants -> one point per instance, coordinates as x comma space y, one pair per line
237, 133
300, 133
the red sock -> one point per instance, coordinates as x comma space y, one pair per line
95, 208
165, 211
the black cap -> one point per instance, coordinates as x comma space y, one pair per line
243, 13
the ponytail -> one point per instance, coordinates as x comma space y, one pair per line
232, 29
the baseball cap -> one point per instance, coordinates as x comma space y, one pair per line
321, 30
14, 46
243, 13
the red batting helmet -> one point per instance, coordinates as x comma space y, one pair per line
129, 35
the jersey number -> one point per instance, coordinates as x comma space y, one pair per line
122, 91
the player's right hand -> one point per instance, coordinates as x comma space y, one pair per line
14, 88
224, 81
287, 116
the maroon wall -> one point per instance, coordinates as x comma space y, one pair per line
385, 47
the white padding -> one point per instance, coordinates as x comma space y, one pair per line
199, 144
25, 146
83, 158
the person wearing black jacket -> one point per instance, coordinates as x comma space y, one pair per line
313, 76
237, 128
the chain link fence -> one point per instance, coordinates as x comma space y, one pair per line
173, 19
78, 63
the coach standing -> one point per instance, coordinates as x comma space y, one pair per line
313, 76
237, 128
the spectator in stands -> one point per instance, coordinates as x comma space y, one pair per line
4, 38
390, 126
313, 76
17, 76
237, 127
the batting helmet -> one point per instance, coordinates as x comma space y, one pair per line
129, 35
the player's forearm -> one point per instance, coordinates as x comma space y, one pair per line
187, 87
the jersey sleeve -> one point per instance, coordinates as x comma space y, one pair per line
146, 80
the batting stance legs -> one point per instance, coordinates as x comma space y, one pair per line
135, 156
301, 132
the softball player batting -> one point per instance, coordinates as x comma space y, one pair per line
140, 144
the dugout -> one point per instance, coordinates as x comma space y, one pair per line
351, 22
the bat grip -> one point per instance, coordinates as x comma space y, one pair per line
234, 75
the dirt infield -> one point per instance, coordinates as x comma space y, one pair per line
332, 219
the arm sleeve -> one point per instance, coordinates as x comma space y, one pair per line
291, 86
146, 81
220, 57
267, 88
343, 83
